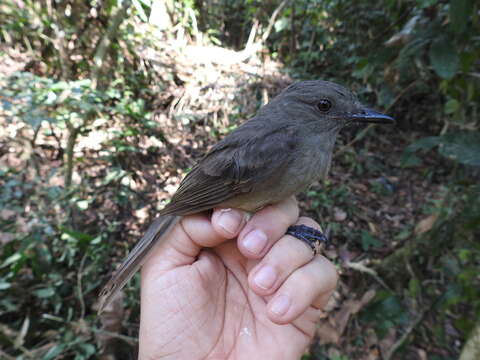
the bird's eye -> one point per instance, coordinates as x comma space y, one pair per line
324, 105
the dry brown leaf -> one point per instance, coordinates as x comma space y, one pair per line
349, 308
5, 238
372, 227
327, 333
111, 320
5, 214
373, 354
422, 354
346, 254
426, 224
388, 341
339, 215
367, 297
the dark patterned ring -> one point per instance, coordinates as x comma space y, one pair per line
314, 238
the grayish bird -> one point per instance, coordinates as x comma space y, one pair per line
276, 154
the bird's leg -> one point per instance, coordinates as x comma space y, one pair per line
312, 237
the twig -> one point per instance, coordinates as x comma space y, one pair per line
79, 286
253, 33
57, 139
271, 22
72, 139
128, 339
405, 336
9, 333
392, 25
105, 41
359, 266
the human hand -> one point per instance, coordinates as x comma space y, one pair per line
205, 297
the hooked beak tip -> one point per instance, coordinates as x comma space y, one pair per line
370, 116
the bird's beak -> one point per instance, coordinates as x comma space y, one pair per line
366, 115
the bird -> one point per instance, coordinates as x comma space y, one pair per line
278, 153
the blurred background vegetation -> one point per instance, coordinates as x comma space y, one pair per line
104, 104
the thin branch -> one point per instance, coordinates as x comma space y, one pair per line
72, 139
106, 40
359, 266
271, 22
405, 336
79, 286
128, 339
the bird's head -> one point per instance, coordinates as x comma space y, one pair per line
324, 105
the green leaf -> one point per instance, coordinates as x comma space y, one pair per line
280, 24
11, 259
77, 234
140, 11
45, 293
54, 352
451, 106
410, 160
460, 11
87, 349
463, 147
369, 241
426, 3
414, 287
82, 204
424, 144
4, 285
113, 175
444, 58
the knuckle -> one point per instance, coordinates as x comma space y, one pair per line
332, 276
289, 208
309, 222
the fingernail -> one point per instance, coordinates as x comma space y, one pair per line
265, 277
280, 305
255, 241
230, 220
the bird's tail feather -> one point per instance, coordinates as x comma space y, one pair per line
156, 231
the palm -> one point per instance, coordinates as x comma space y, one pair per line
203, 296
220, 316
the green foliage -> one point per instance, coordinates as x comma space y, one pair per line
35, 99
369, 241
462, 147
50, 257
385, 312
444, 58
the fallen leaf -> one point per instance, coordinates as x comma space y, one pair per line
327, 333
339, 215
422, 354
5, 238
5, 214
349, 308
346, 254
388, 341
373, 228
426, 224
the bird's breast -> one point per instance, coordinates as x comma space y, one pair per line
304, 168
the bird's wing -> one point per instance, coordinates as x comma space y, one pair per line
234, 166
